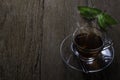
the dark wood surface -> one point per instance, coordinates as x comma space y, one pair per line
30, 35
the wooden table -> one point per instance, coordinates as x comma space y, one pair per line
30, 35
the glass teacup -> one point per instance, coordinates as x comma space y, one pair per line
88, 42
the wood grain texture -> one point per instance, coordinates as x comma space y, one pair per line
20, 39
31, 32
113, 71
60, 17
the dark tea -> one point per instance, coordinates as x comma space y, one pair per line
85, 43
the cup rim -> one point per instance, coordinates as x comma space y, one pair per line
91, 50
95, 49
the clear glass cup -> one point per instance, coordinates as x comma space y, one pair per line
88, 49
88, 42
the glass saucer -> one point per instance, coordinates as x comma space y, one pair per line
69, 57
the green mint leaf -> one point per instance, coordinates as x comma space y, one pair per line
105, 20
109, 20
101, 21
88, 12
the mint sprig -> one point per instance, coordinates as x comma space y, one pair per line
89, 13
103, 19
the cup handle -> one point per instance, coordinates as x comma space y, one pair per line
107, 44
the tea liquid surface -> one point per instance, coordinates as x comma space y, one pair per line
88, 41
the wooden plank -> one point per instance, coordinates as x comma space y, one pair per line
113, 71
60, 18
20, 39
